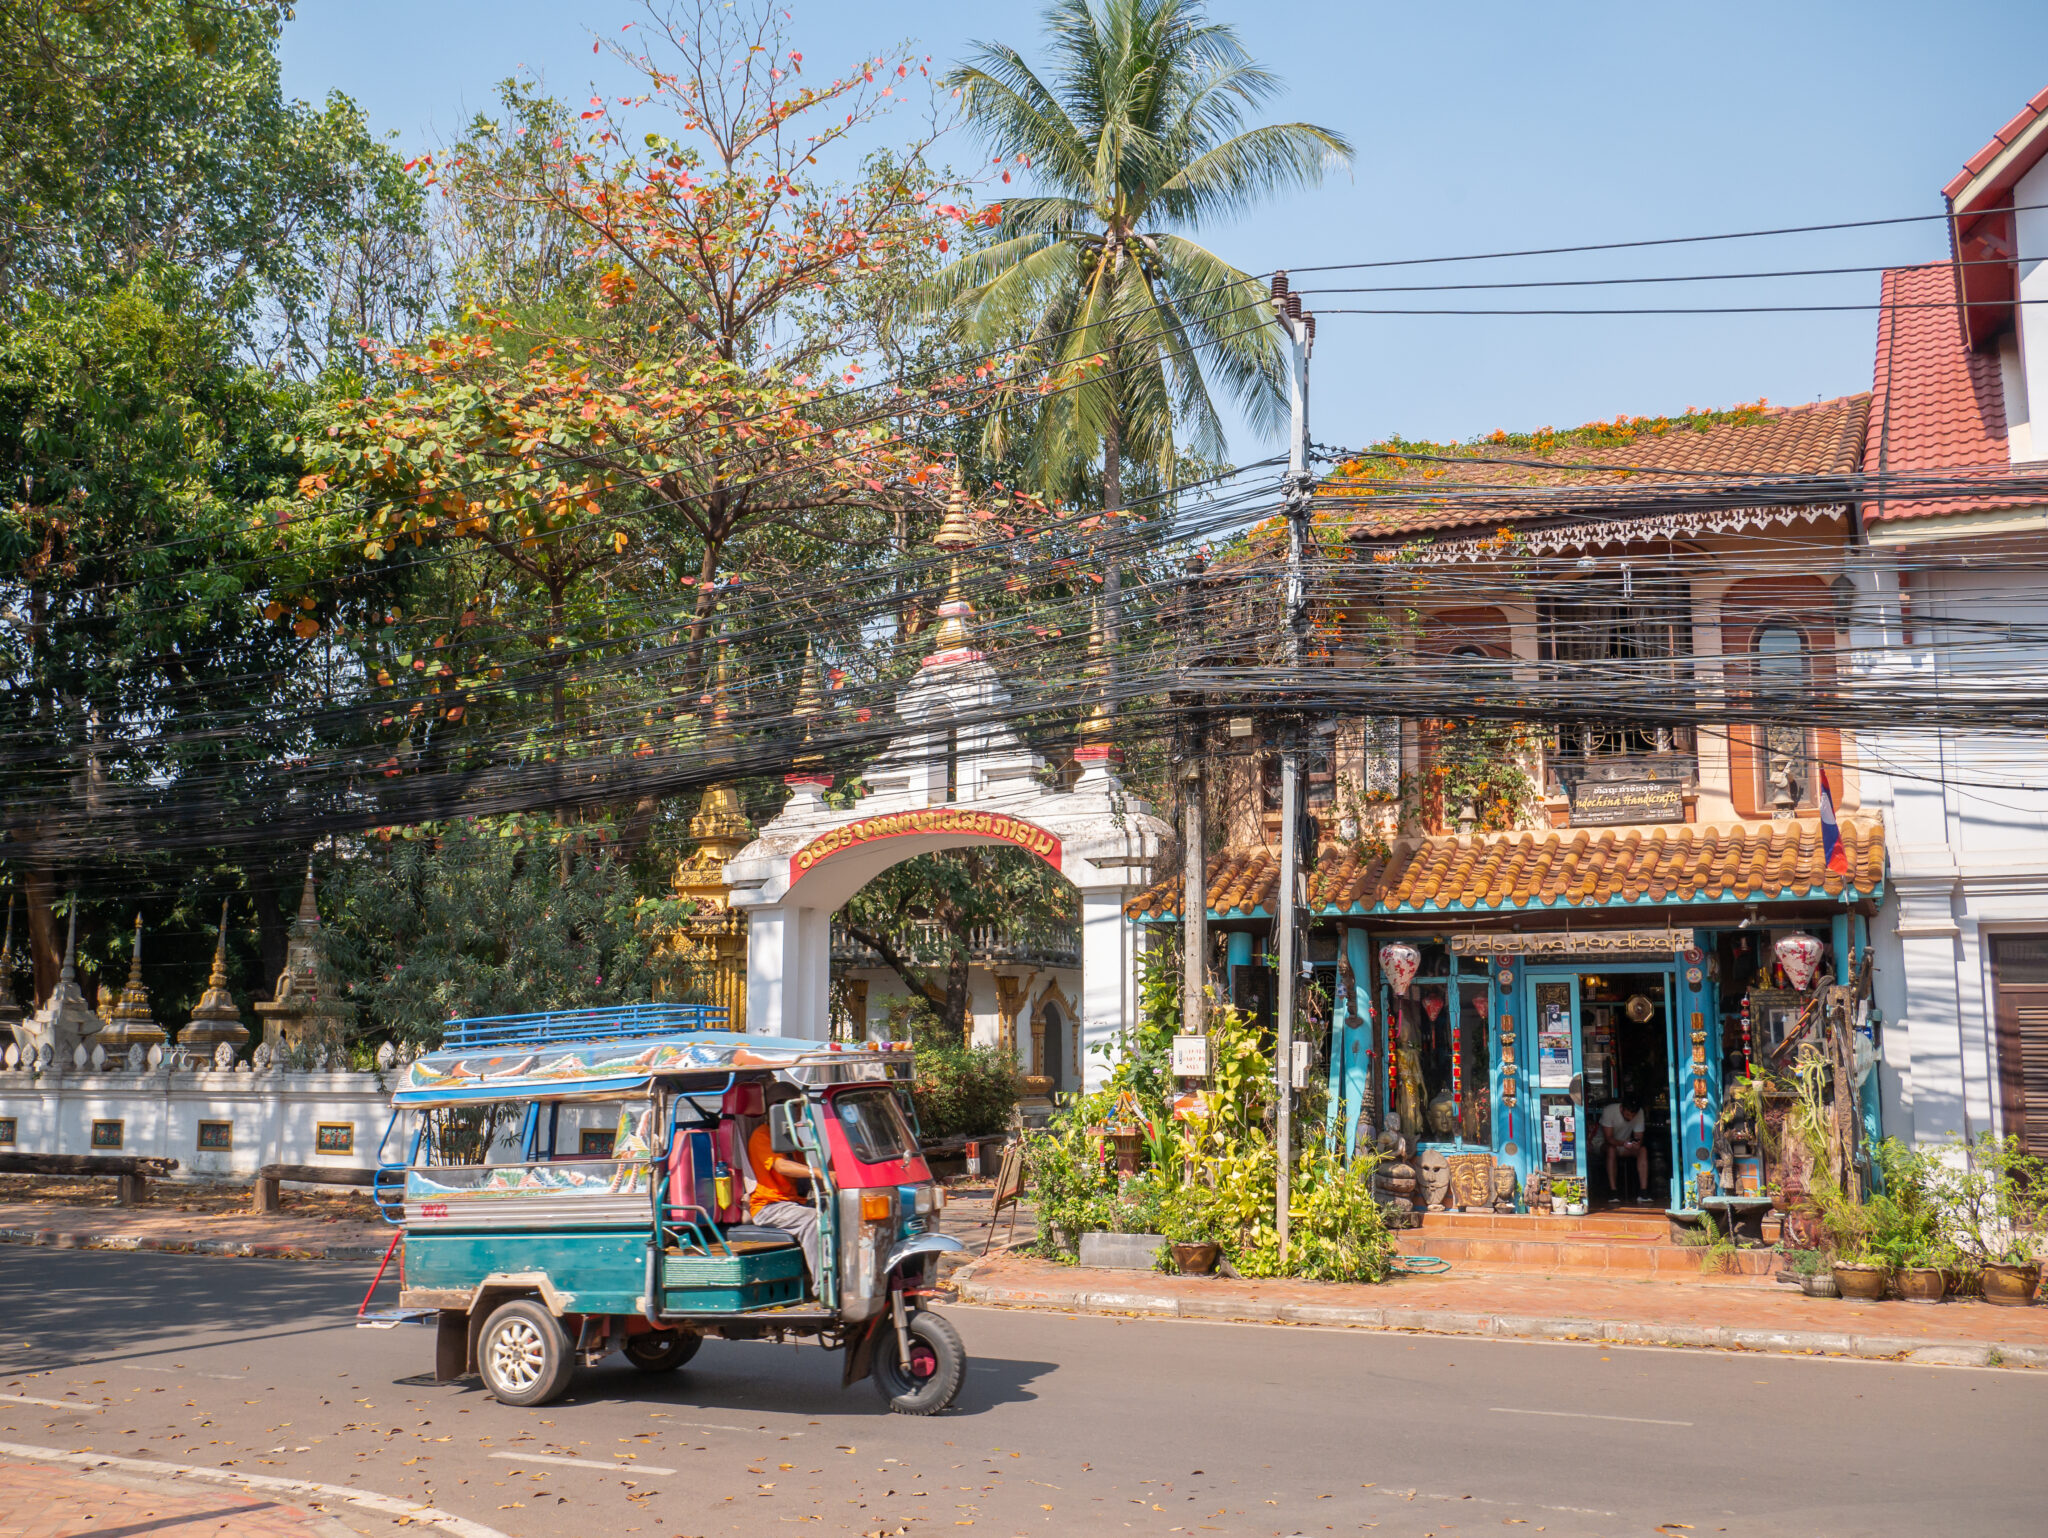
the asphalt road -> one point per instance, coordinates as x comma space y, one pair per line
1067, 1425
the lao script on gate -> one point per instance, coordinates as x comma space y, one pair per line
1011, 830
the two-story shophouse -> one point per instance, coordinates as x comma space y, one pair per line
1953, 606
1593, 918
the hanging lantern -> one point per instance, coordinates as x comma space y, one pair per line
1800, 956
1399, 962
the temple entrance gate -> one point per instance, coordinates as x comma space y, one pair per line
954, 778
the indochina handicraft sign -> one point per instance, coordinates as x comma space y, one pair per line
1606, 803
938, 819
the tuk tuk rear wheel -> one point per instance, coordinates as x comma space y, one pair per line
938, 1365
661, 1351
523, 1355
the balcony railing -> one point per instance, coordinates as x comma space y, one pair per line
927, 943
1601, 751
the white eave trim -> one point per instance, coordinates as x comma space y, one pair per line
1943, 526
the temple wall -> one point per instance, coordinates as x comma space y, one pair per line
273, 1117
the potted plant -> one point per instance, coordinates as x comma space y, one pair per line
1920, 1276
1862, 1275
1994, 1200
1810, 1267
1571, 1193
2015, 1276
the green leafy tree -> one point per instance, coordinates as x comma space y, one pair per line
136, 132
134, 448
486, 917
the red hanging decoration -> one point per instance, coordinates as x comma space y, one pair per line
1745, 1036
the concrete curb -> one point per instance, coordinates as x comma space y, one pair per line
233, 1249
1134, 1303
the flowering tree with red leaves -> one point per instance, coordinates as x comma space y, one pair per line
696, 403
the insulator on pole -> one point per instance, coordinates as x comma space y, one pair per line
1294, 306
1280, 287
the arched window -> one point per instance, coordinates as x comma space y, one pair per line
1783, 673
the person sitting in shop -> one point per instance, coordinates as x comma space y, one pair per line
1622, 1129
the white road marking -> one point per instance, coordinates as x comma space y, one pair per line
1580, 1415
584, 1463
225, 1377
369, 1500
55, 1404
759, 1431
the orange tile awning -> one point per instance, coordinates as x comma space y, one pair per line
1739, 862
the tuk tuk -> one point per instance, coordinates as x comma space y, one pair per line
577, 1182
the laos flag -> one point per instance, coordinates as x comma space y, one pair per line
1830, 830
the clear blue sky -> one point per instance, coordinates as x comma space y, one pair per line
1479, 127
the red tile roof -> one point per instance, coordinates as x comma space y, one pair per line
1936, 404
2007, 136
1573, 868
1822, 439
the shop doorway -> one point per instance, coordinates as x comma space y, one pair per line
1626, 1049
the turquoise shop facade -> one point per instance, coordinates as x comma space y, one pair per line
1517, 977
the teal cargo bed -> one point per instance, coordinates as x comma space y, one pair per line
715, 1282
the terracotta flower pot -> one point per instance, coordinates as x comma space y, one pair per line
2011, 1286
1864, 1284
1921, 1284
1194, 1259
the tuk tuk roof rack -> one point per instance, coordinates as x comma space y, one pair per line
561, 1026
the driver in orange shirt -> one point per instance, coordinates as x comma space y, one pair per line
776, 1200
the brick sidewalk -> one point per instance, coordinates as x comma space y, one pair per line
1650, 1312
41, 1502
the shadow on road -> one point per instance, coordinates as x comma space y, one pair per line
134, 1300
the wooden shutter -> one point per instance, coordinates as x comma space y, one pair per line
2019, 967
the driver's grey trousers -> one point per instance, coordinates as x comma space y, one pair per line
799, 1219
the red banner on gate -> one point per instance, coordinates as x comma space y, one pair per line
937, 819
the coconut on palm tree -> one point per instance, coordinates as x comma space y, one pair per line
1136, 134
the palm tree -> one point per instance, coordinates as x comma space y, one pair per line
1136, 134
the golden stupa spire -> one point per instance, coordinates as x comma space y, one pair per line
1097, 727
956, 614
807, 768
216, 1018
131, 1021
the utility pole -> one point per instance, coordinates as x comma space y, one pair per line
1300, 330
1194, 1005
1194, 1013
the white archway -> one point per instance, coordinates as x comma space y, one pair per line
806, 863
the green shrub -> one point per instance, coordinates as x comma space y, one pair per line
1073, 1184
965, 1090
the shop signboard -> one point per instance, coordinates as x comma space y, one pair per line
1191, 1057
1606, 803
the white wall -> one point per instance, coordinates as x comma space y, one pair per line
1966, 825
275, 1116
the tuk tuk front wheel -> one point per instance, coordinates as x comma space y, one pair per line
938, 1365
661, 1351
523, 1355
